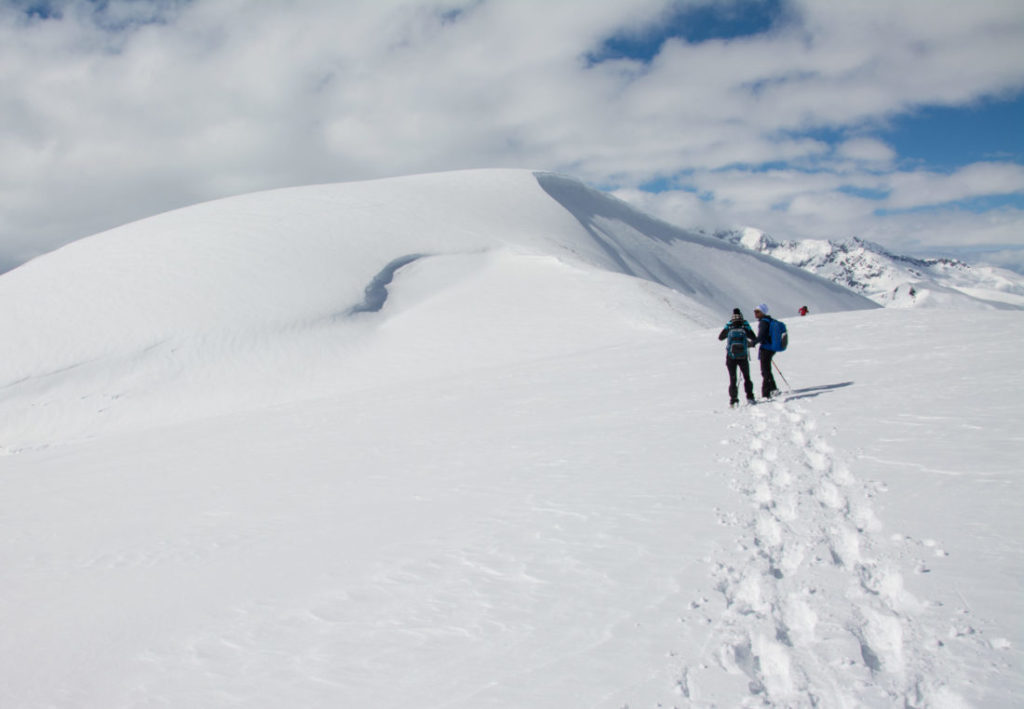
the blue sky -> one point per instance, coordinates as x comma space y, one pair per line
942, 139
934, 136
884, 119
949, 137
694, 23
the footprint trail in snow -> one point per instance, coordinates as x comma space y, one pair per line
811, 609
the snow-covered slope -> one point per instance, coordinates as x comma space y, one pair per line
893, 280
205, 308
430, 442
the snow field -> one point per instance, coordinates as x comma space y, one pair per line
469, 540
577, 529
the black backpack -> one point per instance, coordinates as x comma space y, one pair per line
736, 344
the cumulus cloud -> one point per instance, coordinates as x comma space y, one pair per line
867, 150
922, 188
805, 206
117, 110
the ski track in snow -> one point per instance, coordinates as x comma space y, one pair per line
811, 608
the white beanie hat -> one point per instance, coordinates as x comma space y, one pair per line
763, 308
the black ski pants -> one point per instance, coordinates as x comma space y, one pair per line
748, 386
767, 378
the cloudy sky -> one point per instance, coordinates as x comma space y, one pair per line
900, 121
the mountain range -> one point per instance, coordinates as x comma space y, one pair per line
889, 279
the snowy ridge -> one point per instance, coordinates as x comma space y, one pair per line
889, 279
205, 309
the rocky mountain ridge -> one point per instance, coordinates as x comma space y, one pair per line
890, 279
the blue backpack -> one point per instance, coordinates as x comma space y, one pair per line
777, 335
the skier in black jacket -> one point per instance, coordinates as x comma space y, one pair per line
740, 338
765, 352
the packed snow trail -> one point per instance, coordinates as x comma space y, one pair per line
812, 609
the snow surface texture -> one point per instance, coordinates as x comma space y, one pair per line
892, 280
429, 442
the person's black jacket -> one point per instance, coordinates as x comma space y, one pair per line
764, 334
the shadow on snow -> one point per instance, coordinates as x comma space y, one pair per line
811, 392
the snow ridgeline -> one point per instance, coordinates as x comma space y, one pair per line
264, 298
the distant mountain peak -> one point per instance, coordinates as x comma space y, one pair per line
890, 279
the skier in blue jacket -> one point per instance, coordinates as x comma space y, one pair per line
765, 352
739, 337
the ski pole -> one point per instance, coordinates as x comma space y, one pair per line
781, 375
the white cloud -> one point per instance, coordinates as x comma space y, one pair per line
802, 212
1012, 258
103, 122
922, 188
685, 209
867, 150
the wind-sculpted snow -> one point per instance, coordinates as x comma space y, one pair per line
376, 293
710, 270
